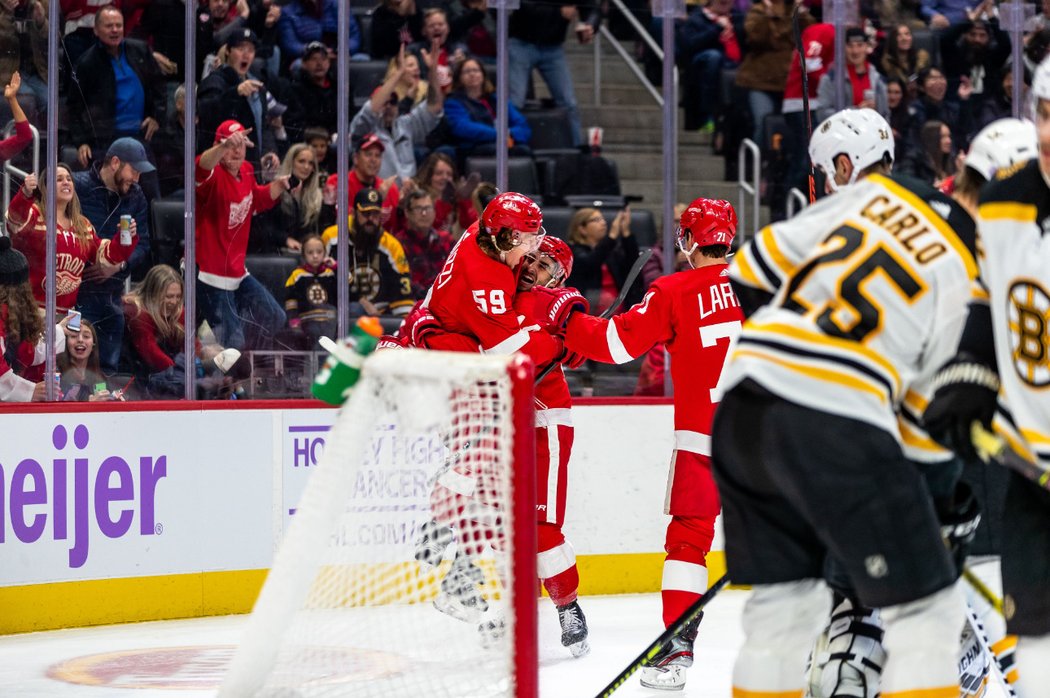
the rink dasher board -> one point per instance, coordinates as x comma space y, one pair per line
159, 510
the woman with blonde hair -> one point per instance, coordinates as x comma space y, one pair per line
602, 254
77, 243
155, 320
409, 87
298, 212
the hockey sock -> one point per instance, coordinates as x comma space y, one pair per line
556, 565
685, 567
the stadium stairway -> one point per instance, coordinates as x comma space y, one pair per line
632, 121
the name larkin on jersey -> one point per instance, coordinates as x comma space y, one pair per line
909, 229
722, 297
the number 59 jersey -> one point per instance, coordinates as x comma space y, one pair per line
1014, 219
870, 288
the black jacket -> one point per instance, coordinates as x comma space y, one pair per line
316, 106
92, 96
540, 22
218, 100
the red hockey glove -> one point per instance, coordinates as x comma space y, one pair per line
571, 359
390, 342
556, 305
417, 325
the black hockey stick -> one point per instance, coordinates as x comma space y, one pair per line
989, 446
628, 281
804, 70
689, 615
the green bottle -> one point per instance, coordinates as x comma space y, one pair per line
341, 370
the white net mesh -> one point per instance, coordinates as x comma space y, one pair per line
347, 609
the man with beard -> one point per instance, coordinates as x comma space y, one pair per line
107, 192
974, 52
380, 279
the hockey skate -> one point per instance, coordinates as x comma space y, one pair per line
666, 671
573, 629
460, 596
433, 539
492, 629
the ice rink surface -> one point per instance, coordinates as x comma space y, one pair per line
186, 658
47, 664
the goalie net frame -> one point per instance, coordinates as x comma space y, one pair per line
289, 582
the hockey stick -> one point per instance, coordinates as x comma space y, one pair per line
982, 640
688, 616
628, 281
981, 588
989, 446
803, 69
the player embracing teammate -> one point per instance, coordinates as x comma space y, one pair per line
480, 302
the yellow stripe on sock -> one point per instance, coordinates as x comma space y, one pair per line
938, 692
744, 693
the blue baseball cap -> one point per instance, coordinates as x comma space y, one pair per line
130, 151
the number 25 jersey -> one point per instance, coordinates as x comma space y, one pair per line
870, 289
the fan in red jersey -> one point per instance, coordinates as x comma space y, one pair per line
697, 316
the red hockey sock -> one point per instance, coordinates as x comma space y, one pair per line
556, 565
685, 567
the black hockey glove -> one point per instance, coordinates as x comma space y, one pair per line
964, 391
960, 515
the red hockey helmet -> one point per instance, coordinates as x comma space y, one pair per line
558, 250
709, 222
512, 210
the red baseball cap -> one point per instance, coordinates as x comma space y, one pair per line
227, 128
370, 140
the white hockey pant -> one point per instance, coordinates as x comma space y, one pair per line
922, 644
781, 623
1033, 666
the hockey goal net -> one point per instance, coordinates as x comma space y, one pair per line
343, 615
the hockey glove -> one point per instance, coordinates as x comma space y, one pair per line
964, 391
960, 515
556, 305
418, 324
571, 359
390, 342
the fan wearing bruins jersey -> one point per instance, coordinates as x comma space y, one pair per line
858, 299
1014, 220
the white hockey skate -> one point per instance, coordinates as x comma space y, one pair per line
492, 629
667, 669
573, 629
460, 596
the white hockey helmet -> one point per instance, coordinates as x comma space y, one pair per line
1000, 144
1041, 80
860, 134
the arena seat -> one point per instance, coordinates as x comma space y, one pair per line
521, 174
166, 231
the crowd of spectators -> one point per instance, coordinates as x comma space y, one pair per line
267, 134
929, 67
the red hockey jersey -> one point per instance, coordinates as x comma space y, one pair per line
474, 295
697, 316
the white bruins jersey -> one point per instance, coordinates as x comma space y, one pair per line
870, 290
1014, 220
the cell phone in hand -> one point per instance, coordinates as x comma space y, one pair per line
293, 181
74, 320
